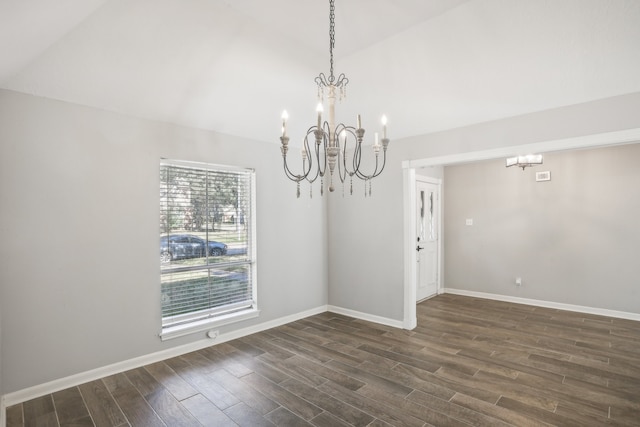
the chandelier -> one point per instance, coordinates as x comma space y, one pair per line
329, 144
524, 161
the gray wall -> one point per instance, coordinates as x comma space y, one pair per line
574, 239
79, 268
363, 251
79, 211
366, 235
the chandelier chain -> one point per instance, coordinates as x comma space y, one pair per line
332, 37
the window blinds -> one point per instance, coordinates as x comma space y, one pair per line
206, 241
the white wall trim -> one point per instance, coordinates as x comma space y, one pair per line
3, 412
364, 316
546, 304
410, 318
626, 136
29, 393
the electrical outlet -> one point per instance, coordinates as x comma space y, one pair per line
518, 281
213, 334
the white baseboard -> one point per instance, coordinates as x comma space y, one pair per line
39, 390
546, 304
364, 316
3, 412
29, 393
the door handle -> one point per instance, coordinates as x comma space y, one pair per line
418, 248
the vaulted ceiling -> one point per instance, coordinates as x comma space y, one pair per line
234, 65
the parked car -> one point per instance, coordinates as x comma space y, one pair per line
182, 246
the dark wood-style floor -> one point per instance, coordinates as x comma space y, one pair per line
469, 362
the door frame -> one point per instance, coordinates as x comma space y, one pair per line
410, 320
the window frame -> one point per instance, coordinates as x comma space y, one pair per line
226, 315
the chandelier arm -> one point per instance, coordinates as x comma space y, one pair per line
305, 171
385, 144
355, 161
357, 152
342, 154
384, 162
318, 174
310, 157
292, 176
345, 155
357, 157
322, 170
343, 169
375, 172
366, 177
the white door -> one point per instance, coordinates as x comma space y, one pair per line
427, 245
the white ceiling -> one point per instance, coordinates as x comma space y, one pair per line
234, 65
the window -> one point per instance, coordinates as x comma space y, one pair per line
207, 246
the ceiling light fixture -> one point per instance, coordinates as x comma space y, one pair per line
524, 161
331, 140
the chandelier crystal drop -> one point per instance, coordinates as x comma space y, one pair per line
328, 144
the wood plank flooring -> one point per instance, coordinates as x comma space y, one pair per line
469, 362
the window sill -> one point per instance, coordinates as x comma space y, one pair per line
204, 325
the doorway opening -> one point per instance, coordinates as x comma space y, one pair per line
414, 168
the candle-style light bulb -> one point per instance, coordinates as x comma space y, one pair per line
384, 126
285, 116
359, 122
319, 109
343, 137
375, 136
